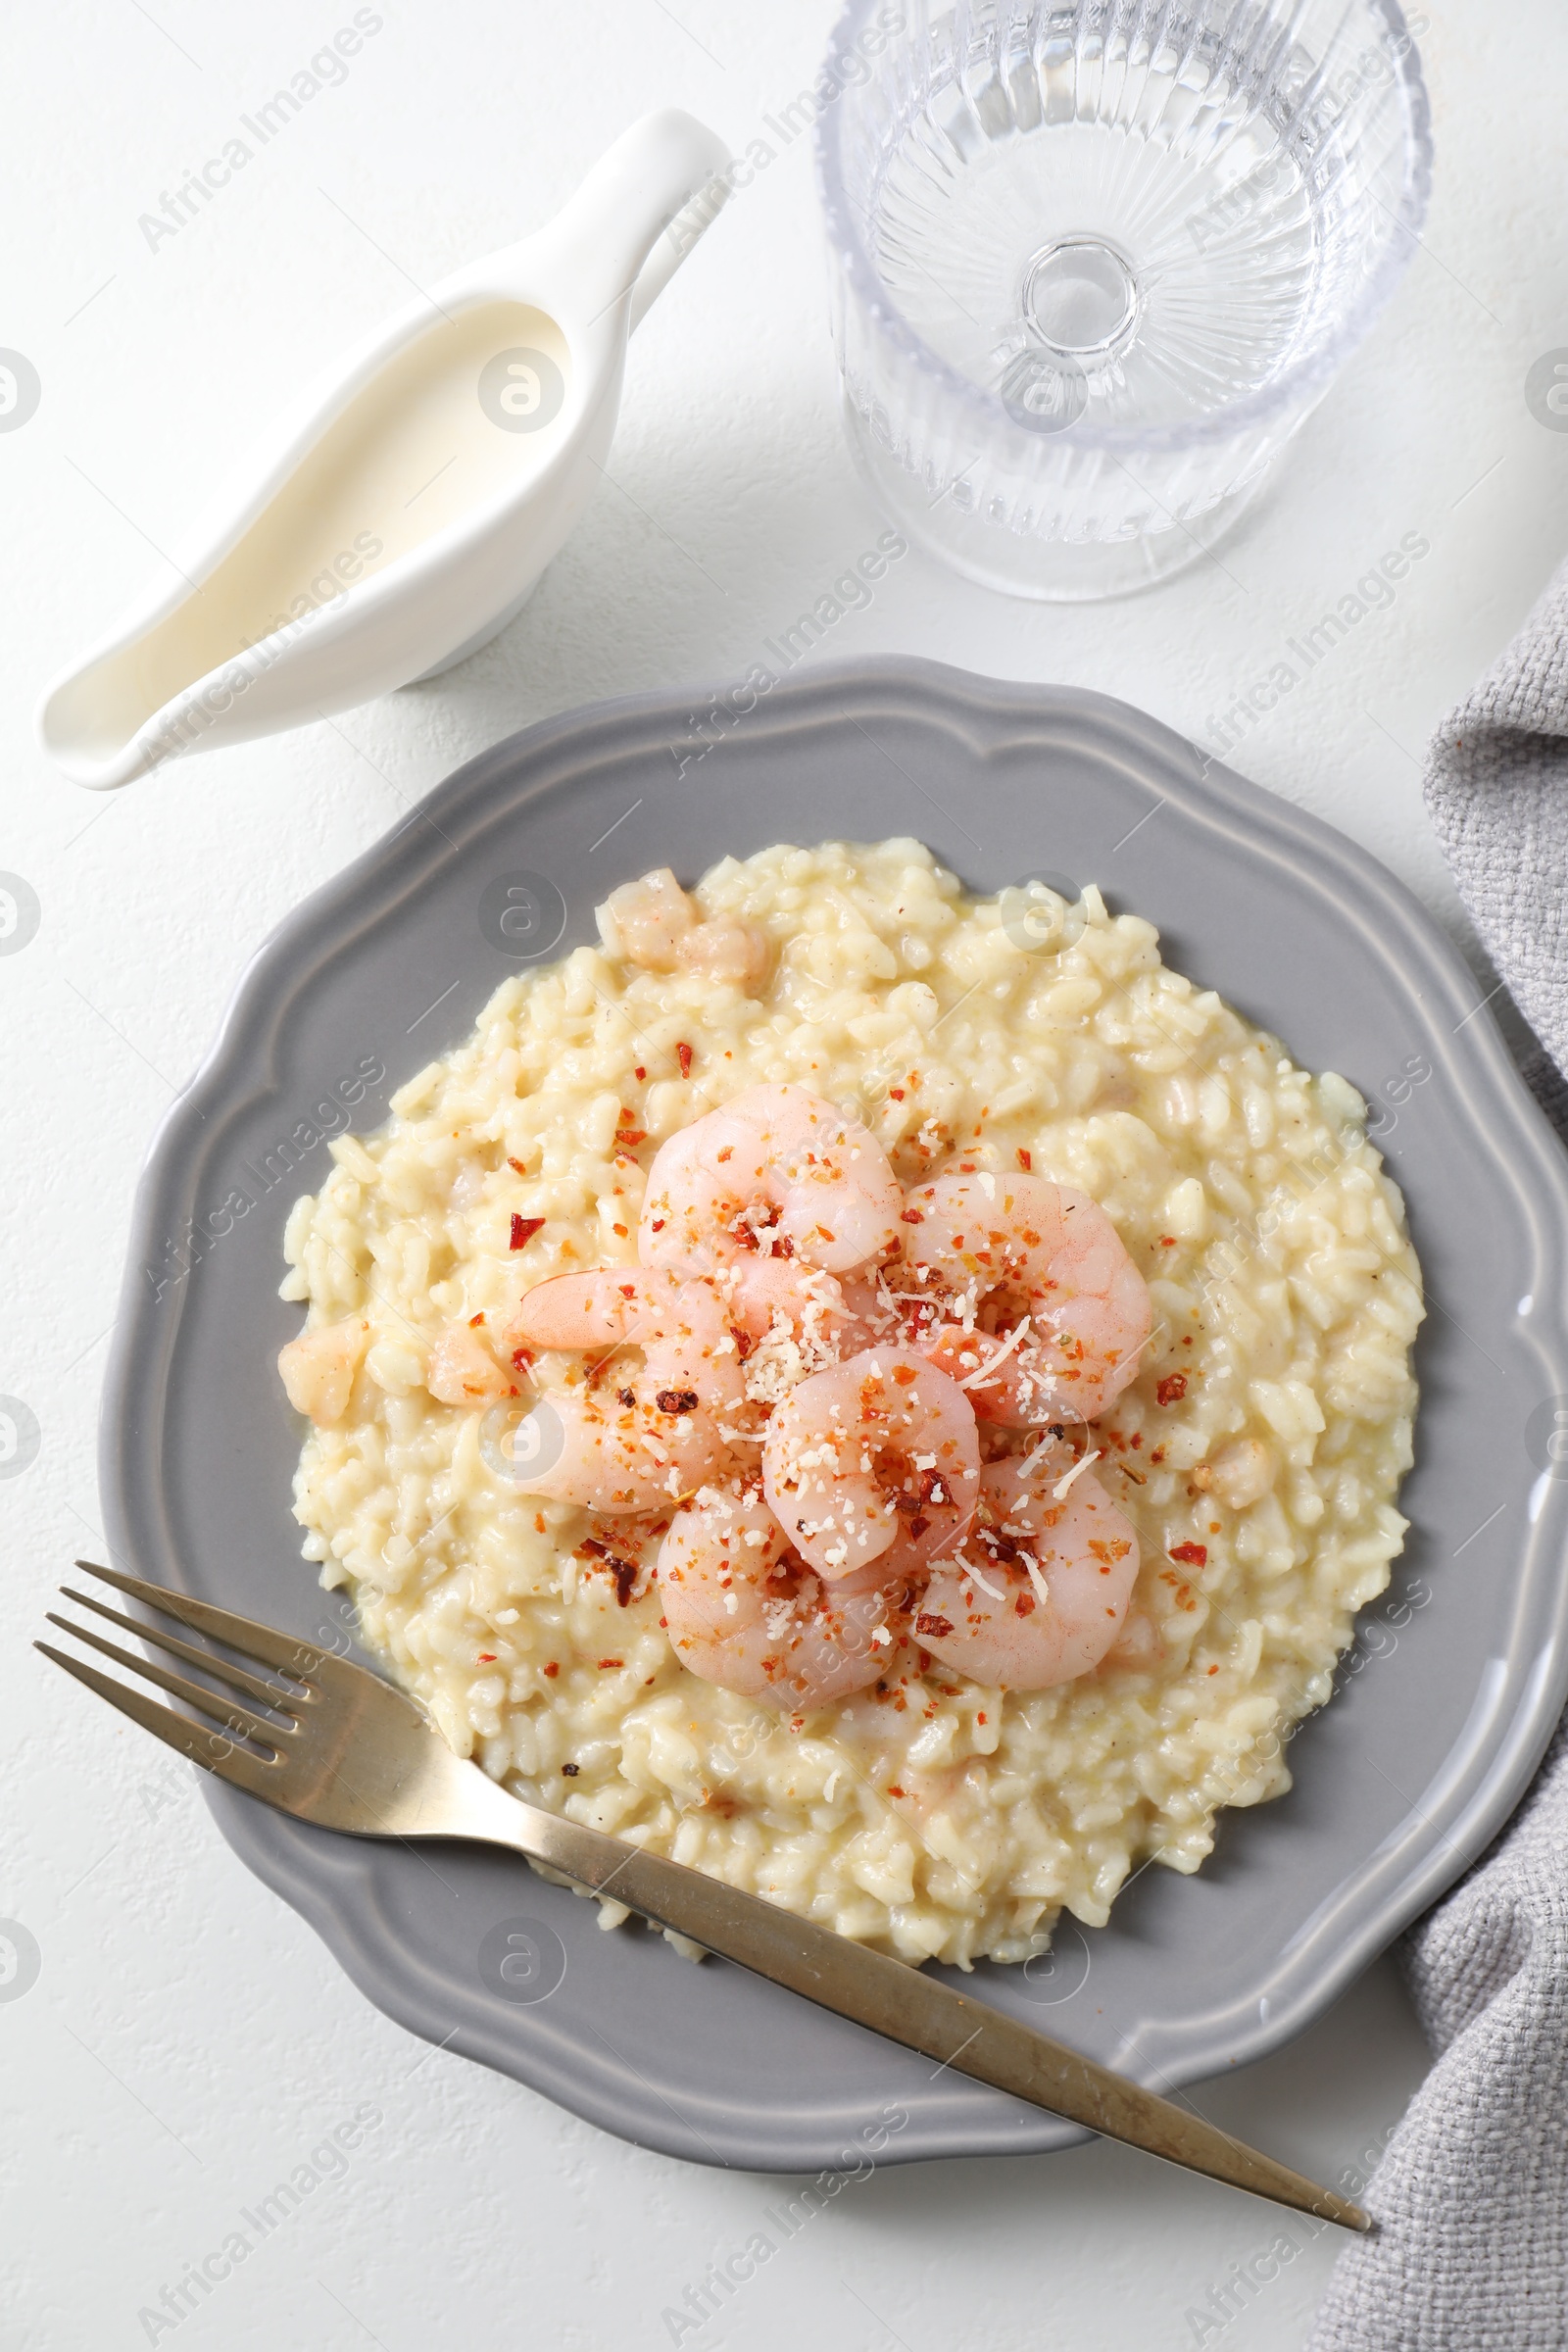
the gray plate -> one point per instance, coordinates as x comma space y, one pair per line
1399, 1784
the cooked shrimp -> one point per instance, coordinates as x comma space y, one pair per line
1039, 1591
727, 950
632, 1439
791, 1320
743, 1609
656, 926
645, 921
1023, 1291
874, 1459
462, 1371
760, 1290
776, 1171
318, 1369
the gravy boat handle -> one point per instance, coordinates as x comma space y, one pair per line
638, 214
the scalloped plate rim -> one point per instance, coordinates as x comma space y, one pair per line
279, 1851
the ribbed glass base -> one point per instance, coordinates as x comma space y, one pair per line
1056, 571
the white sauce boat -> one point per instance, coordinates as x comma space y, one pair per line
405, 507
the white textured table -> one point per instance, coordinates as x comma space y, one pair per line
187, 2043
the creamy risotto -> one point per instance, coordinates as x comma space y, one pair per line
1256, 1452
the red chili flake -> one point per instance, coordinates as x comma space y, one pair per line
980, 1719
676, 1400
1167, 1241
1025, 1158
621, 1229
896, 1093
517, 1164
571, 1771
659, 1225
487, 1657
521, 1359
552, 1670
1172, 1388
629, 1137
625, 1573
605, 1664
639, 1071
1213, 1527
934, 1628
523, 1230
910, 1216
626, 1396
473, 1320
1213, 1670
1191, 1556
894, 1790
744, 1342
683, 1054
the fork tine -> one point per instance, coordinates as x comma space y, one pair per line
238, 1678
226, 1711
261, 1642
192, 1739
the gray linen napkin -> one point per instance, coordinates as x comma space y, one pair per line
1472, 2194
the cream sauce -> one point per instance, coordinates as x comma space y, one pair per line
446, 429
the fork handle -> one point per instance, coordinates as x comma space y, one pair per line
890, 1998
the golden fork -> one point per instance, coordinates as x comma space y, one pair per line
332, 1744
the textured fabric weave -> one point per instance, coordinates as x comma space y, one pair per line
1472, 2197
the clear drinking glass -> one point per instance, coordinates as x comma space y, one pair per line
1093, 263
